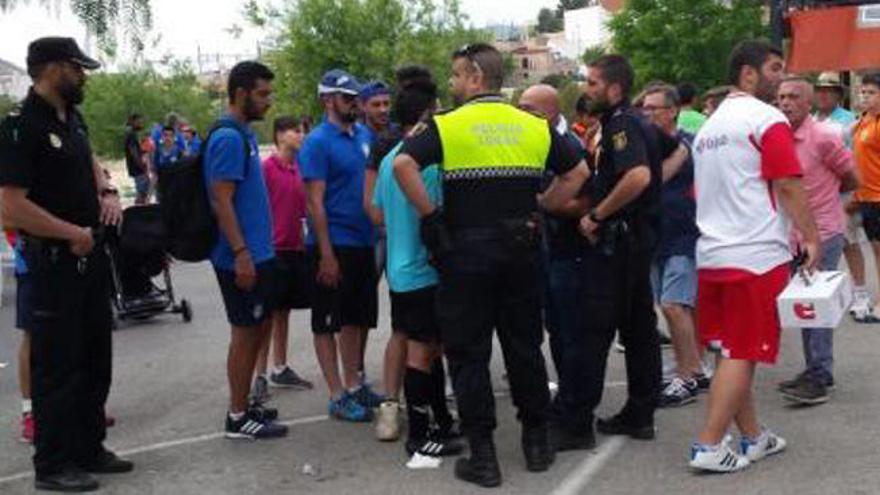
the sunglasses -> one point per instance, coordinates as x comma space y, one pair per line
469, 52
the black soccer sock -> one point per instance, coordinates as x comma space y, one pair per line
417, 387
438, 395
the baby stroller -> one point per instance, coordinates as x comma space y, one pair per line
138, 258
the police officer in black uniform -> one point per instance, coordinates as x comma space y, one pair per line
57, 198
622, 228
485, 242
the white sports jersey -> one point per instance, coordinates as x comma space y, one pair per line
740, 226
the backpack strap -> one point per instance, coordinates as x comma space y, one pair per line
219, 124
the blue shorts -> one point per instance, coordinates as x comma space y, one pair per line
675, 280
142, 184
24, 301
249, 308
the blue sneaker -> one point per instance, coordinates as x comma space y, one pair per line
347, 408
367, 398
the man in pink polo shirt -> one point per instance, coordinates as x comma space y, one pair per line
287, 201
828, 171
747, 175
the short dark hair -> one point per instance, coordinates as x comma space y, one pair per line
488, 59
167, 128
132, 117
416, 93
245, 75
286, 123
616, 69
749, 53
686, 93
873, 79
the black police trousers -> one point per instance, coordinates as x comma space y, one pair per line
617, 299
71, 354
488, 284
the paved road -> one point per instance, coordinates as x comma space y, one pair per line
169, 396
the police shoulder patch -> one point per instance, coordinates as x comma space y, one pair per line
619, 140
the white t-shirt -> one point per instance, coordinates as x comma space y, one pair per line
739, 151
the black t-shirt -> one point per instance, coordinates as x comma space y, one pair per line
51, 159
484, 201
133, 156
385, 142
679, 232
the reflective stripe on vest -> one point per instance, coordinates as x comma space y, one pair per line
492, 140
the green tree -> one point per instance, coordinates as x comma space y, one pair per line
548, 21
369, 38
592, 53
684, 40
110, 98
6, 104
101, 17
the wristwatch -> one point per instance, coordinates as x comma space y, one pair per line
593, 217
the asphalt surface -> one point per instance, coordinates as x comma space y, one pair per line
169, 397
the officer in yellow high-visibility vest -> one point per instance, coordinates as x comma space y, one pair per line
484, 240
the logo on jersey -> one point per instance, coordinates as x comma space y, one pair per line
54, 140
619, 141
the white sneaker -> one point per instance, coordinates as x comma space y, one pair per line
387, 421
422, 461
718, 459
768, 443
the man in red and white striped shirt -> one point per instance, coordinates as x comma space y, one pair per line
747, 178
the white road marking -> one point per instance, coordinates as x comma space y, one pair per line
578, 478
610, 444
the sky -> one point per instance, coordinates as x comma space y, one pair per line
181, 28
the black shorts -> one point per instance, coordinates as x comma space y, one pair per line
871, 220
355, 301
414, 314
249, 308
294, 279
24, 301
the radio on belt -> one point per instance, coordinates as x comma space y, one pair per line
817, 301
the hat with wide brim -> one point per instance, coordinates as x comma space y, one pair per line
829, 80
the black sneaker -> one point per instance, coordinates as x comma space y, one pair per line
703, 382
68, 480
808, 392
252, 427
289, 379
678, 392
794, 382
109, 463
433, 448
261, 411
620, 425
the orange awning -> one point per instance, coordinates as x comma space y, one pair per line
835, 39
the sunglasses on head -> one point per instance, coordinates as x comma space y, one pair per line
469, 52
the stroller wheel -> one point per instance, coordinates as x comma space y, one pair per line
186, 310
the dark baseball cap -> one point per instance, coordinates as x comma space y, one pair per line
54, 49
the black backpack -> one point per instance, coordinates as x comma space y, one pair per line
186, 204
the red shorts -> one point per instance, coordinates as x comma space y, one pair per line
736, 310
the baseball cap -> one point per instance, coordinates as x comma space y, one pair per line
54, 49
374, 88
338, 81
829, 80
